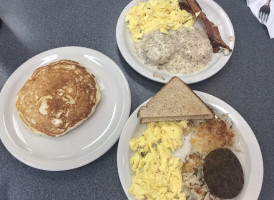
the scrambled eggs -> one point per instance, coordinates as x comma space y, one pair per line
157, 171
155, 15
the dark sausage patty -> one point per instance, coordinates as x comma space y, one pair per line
223, 173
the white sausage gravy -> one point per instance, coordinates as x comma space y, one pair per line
185, 51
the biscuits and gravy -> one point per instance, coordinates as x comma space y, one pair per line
165, 39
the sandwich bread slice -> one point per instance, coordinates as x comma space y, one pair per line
175, 101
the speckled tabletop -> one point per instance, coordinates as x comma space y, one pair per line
33, 26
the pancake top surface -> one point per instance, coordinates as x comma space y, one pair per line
57, 98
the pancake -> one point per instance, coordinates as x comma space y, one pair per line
57, 98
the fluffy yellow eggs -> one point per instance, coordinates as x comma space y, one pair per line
157, 173
155, 15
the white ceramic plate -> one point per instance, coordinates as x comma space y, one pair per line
250, 155
213, 11
85, 143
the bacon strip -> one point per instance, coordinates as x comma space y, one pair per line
186, 7
212, 30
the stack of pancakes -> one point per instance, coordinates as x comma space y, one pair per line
57, 98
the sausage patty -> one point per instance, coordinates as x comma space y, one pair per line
223, 173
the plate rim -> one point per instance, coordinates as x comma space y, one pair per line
135, 64
255, 159
93, 155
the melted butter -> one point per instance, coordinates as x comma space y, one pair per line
44, 105
56, 121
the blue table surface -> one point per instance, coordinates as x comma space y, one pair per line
33, 26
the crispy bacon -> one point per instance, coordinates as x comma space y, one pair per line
212, 30
186, 7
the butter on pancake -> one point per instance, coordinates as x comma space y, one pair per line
57, 98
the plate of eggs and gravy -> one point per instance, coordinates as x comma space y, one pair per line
163, 38
63, 108
188, 145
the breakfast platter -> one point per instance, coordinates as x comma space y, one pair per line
213, 11
136, 99
93, 137
247, 149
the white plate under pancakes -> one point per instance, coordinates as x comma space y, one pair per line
213, 11
83, 144
250, 154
